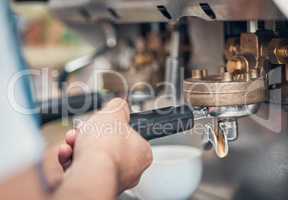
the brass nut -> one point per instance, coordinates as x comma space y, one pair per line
227, 77
253, 74
196, 74
247, 77
204, 73
282, 54
222, 70
278, 51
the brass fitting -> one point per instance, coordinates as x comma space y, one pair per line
237, 64
232, 48
282, 54
227, 77
222, 70
196, 74
278, 51
204, 73
253, 74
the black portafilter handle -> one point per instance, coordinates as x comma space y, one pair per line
67, 106
162, 122
150, 124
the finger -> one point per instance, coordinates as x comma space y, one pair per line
67, 164
71, 137
65, 155
52, 167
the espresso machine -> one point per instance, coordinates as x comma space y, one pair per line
229, 65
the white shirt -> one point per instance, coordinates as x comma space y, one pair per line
21, 144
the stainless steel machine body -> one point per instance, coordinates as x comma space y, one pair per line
164, 10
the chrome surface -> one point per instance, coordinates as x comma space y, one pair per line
219, 140
79, 63
233, 111
87, 11
172, 69
228, 112
200, 113
223, 126
230, 128
219, 134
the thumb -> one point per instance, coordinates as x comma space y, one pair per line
118, 109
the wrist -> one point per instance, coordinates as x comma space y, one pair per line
49, 171
97, 171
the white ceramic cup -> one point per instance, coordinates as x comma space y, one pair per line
174, 174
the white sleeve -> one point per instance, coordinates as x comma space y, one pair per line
282, 5
21, 144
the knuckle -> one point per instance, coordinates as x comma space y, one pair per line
149, 158
70, 132
148, 154
135, 183
118, 100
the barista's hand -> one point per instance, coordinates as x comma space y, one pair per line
108, 136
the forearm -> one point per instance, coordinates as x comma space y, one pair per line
52, 170
34, 182
25, 185
98, 180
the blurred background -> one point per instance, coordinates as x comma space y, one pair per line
48, 44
